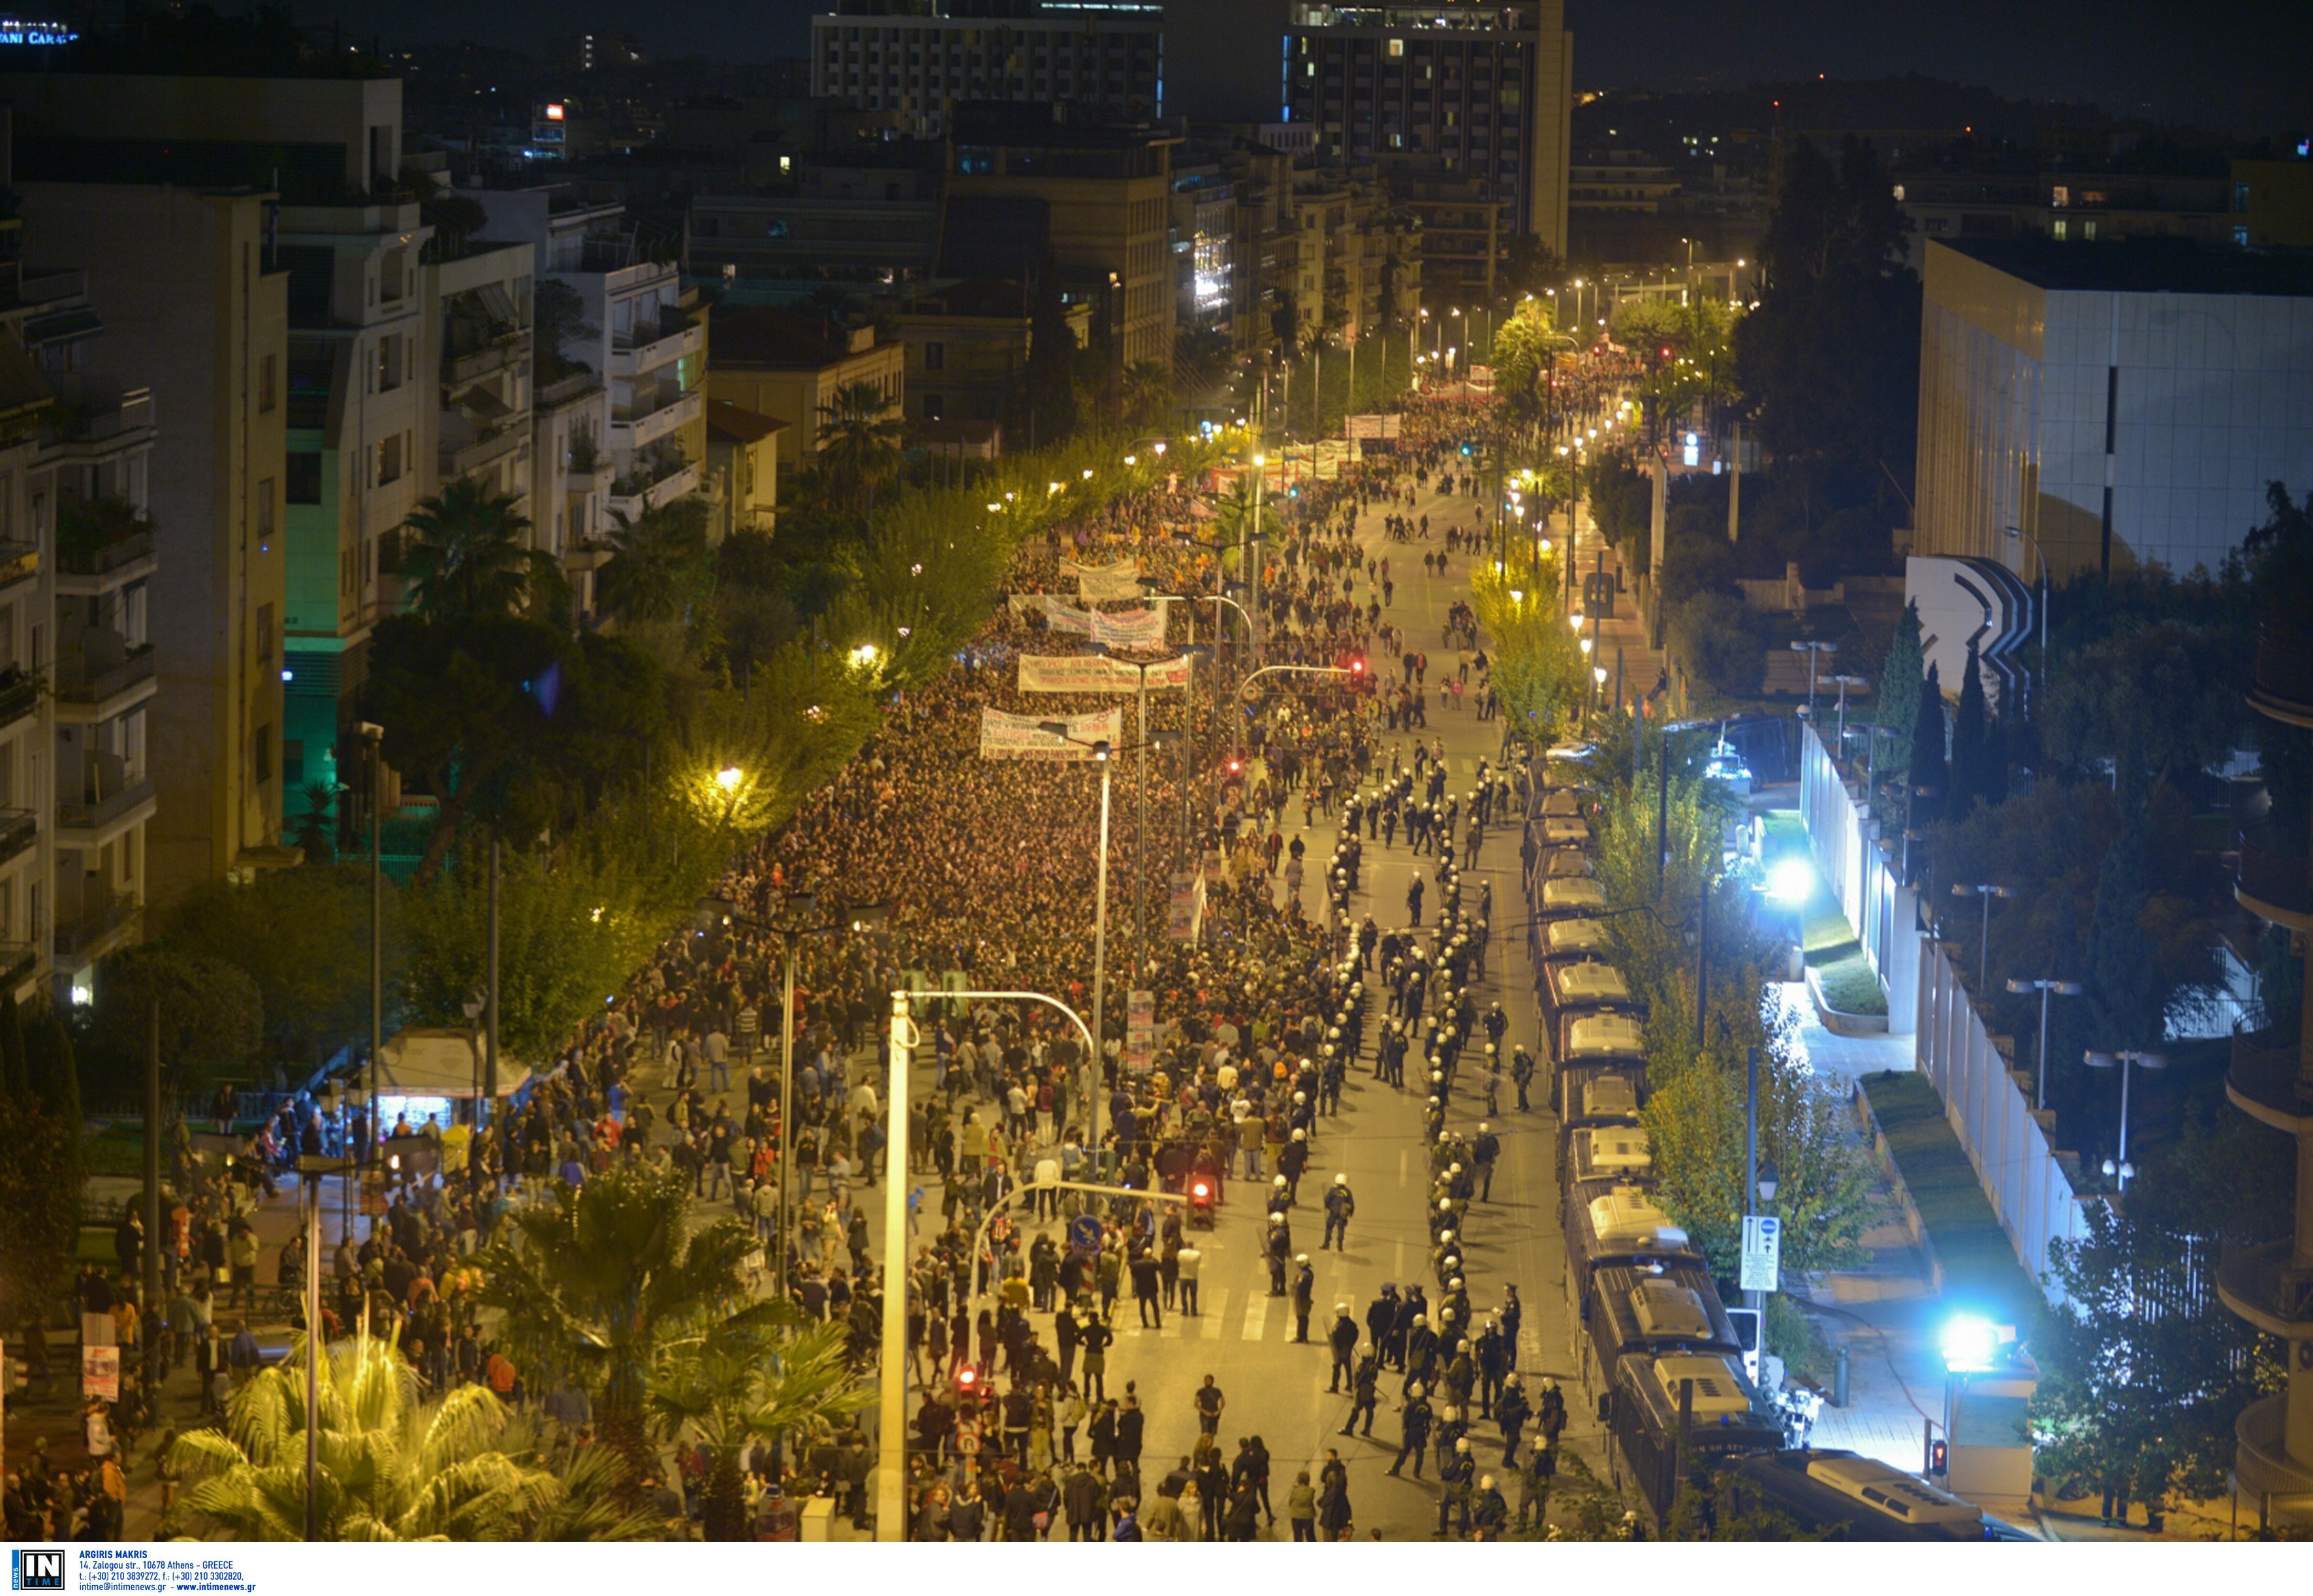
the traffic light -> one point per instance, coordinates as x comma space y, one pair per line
1465, 451
967, 1379
1357, 666
1938, 1456
1234, 765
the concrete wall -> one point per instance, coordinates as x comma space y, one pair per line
1884, 913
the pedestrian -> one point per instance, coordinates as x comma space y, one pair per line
1188, 1261
1301, 1508
1209, 1402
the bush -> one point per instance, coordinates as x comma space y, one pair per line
1710, 635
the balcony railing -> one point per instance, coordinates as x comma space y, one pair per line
104, 559
2259, 1281
17, 962
19, 828
94, 814
2274, 879
2284, 671
76, 685
20, 695
81, 930
18, 561
98, 420
2267, 1069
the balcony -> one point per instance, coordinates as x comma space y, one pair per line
655, 343
17, 962
89, 688
19, 562
2258, 1279
19, 829
567, 390
494, 354
101, 544
97, 815
2274, 883
2266, 1080
635, 496
105, 424
2283, 682
466, 448
20, 695
638, 427
2263, 1472
81, 934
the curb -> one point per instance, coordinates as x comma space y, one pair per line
1839, 1021
1885, 1160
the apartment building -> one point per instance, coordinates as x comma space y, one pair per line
787, 367
1094, 201
968, 346
299, 175
1107, 59
637, 330
477, 352
76, 567
1480, 92
197, 315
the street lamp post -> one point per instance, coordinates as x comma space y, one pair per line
1844, 681
1759, 1186
2124, 1060
375, 736
1815, 649
2044, 986
1986, 892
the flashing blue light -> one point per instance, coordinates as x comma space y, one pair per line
1791, 880
287, 675
1970, 1344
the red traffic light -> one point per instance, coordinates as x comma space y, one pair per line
1938, 1456
1357, 666
1201, 1191
1235, 765
966, 1376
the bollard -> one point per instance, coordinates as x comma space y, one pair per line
1839, 1380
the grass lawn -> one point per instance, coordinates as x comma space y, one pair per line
1850, 983
1979, 1264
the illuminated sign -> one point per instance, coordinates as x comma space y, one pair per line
15, 31
554, 113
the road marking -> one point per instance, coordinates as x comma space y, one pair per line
1213, 1311
1170, 1329
1256, 1315
1397, 1259
1402, 1153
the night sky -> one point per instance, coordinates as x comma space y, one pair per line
2241, 64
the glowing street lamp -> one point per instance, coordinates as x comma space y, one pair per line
2125, 1061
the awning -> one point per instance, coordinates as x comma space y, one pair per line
428, 1062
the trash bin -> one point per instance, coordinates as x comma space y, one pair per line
819, 1519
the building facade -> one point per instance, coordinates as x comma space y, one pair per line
1106, 59
1478, 93
197, 314
2125, 404
788, 367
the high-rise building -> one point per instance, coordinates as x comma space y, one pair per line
259, 237
76, 569
1103, 58
1481, 93
2123, 403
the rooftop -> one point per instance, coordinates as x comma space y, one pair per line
739, 424
766, 336
2141, 266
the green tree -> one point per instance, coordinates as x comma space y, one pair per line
1831, 356
468, 556
765, 1381
1898, 706
212, 1021
41, 1183
558, 325
391, 1466
1929, 774
1969, 780
2130, 1011
1147, 393
2142, 1370
859, 436
314, 985
660, 567
594, 1282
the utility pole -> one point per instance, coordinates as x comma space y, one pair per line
149, 1259
490, 1024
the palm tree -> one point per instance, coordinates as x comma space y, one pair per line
730, 1387
859, 435
469, 555
392, 1465
593, 1281
1148, 393
317, 830
658, 567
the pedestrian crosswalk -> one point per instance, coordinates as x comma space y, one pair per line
1252, 1321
